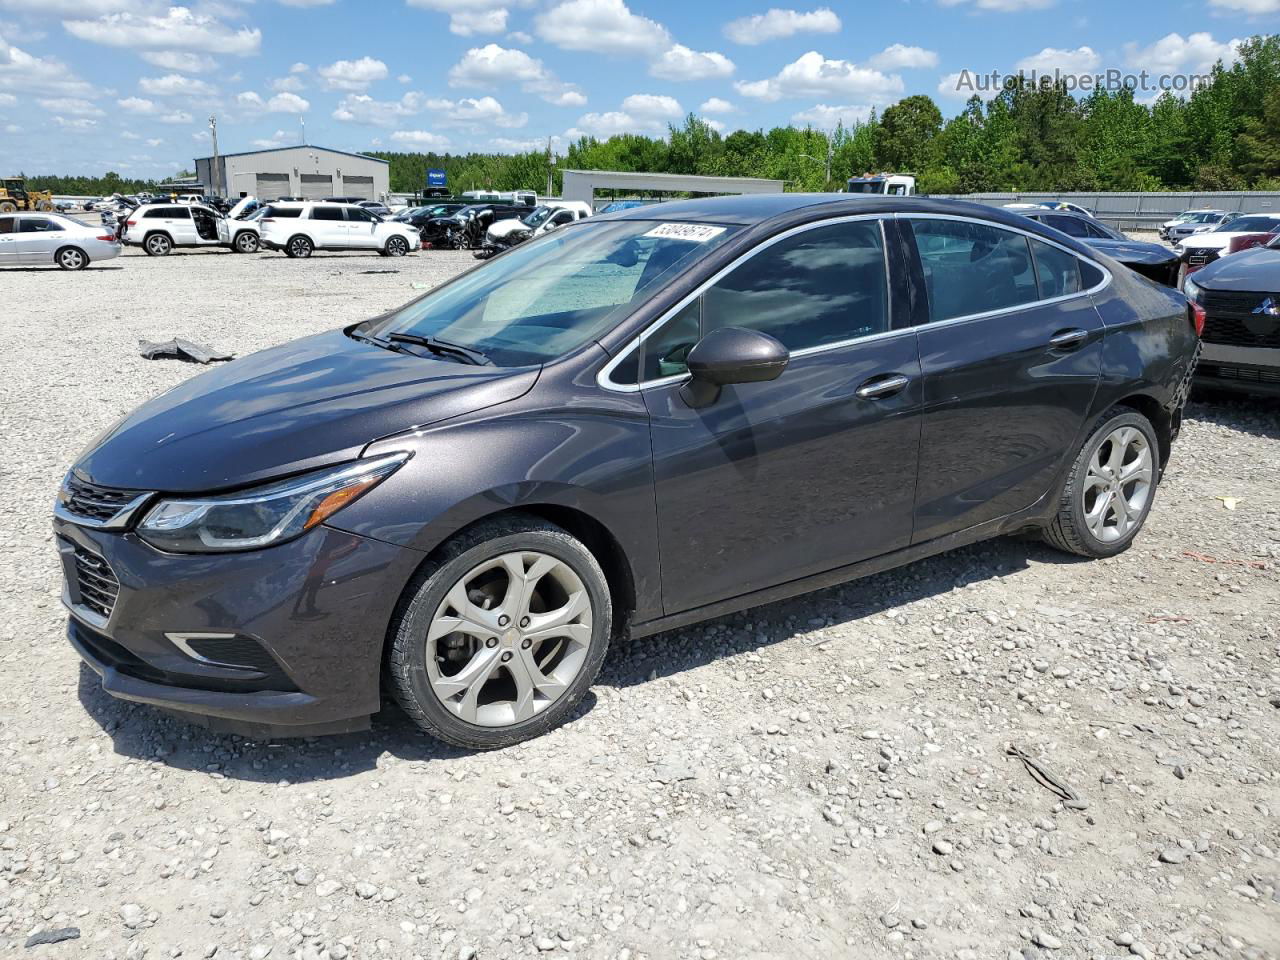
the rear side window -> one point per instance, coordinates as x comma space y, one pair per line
37, 225
972, 268
816, 287
1068, 225
326, 213
168, 213
282, 212
1059, 271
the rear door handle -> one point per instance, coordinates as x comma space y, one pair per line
1068, 339
877, 388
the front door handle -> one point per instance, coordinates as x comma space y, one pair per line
877, 388
1068, 339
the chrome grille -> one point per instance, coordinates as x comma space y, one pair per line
96, 506
95, 582
1231, 319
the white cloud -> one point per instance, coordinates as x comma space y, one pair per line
1080, 60
601, 26
466, 23
299, 68
813, 75
491, 65
652, 105
7, 99
281, 138
775, 24
177, 117
519, 36
178, 29
681, 63
289, 84
824, 117
179, 60
139, 105
1001, 6
485, 111
71, 105
950, 86
353, 74
363, 109
155, 142
176, 85
1251, 7
405, 79
901, 57
63, 8
1173, 53
22, 72
532, 145
421, 138
717, 105
78, 123
288, 103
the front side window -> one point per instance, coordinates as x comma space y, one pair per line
360, 215
819, 286
972, 268
553, 294
37, 225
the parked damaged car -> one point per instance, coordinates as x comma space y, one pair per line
159, 228
1240, 297
542, 219
1153, 260
1202, 249
465, 228
631, 424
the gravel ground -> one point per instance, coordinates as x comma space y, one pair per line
825, 777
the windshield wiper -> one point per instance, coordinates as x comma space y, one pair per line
443, 348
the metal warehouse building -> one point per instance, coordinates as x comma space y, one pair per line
303, 171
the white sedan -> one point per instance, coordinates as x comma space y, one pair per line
36, 239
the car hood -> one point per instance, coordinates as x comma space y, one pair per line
1208, 241
504, 228
1134, 251
301, 405
1256, 270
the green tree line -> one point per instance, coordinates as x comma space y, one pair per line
1224, 136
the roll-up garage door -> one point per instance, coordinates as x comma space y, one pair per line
361, 187
272, 186
316, 186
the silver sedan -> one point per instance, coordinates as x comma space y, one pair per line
35, 239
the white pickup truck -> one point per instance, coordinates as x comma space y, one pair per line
895, 184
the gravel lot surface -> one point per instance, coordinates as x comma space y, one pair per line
825, 777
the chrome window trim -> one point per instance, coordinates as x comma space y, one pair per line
968, 317
603, 377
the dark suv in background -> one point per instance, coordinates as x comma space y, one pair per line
632, 423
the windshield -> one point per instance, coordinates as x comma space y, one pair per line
552, 295
538, 217
1249, 225
866, 186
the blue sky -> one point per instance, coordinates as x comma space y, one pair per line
92, 85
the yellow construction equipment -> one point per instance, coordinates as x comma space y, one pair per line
14, 195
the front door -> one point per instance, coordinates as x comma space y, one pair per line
1011, 357
363, 227
38, 239
817, 469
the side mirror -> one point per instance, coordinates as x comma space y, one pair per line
731, 355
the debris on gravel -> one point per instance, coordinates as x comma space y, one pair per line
822, 777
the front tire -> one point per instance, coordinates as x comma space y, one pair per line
397, 247
245, 242
496, 640
1110, 488
299, 248
71, 258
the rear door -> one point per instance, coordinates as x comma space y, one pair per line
8, 241
1011, 353
329, 227
815, 470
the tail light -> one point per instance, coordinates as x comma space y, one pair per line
131, 223
1198, 317
107, 237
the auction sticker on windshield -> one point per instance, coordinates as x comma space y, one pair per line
689, 232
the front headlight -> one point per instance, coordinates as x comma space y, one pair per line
265, 515
1194, 292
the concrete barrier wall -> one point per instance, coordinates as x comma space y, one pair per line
1141, 211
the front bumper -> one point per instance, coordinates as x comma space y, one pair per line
314, 610
1243, 369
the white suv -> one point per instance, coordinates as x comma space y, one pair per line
159, 227
300, 228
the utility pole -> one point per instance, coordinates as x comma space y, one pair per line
303, 121
214, 173
551, 162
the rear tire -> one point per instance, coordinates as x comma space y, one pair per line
485, 685
71, 258
299, 248
8, 206
1110, 487
157, 245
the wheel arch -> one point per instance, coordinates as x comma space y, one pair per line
71, 246
1160, 418
158, 230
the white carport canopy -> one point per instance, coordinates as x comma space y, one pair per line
583, 184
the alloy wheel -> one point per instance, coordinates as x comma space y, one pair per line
71, 259
509, 638
397, 247
1117, 486
247, 243
158, 246
300, 247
